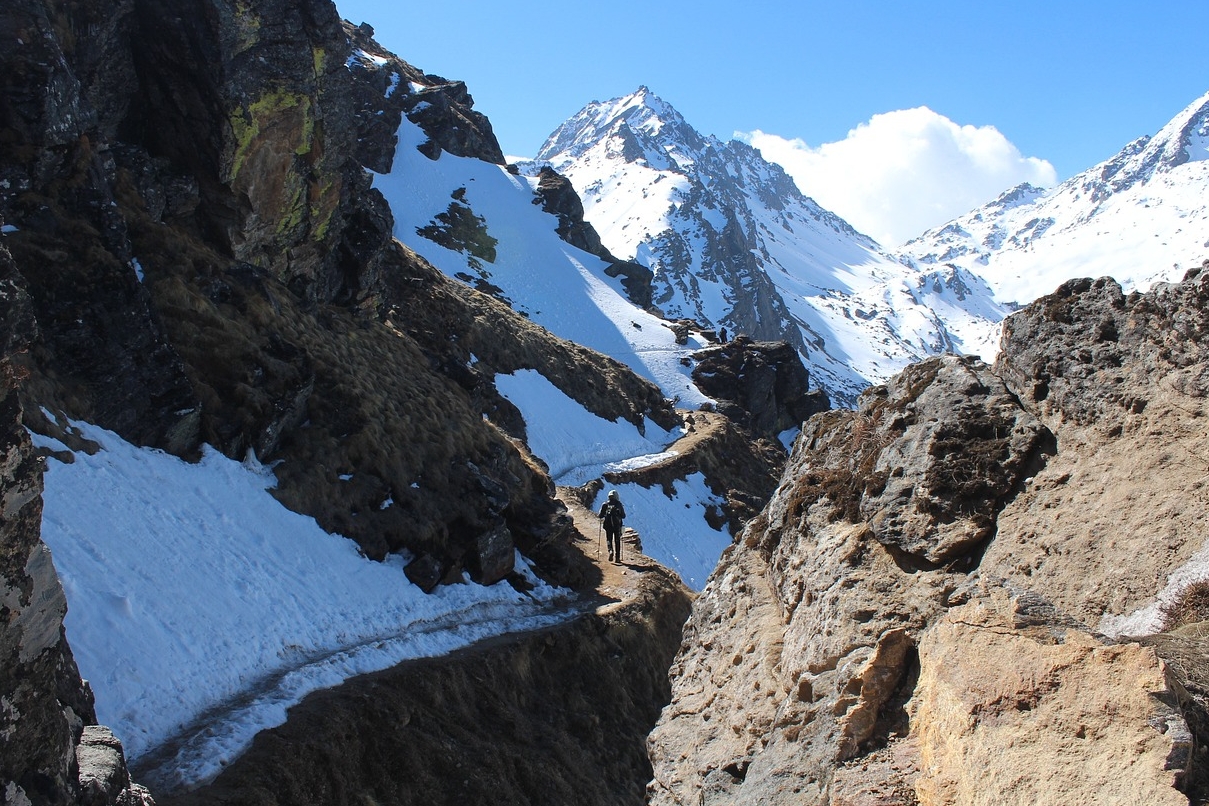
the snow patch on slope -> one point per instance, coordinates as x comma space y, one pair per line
578, 446
672, 528
192, 593
562, 288
575, 444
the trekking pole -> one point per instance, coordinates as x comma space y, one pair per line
599, 539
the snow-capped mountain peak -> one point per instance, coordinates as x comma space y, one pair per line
1140, 217
648, 122
735, 245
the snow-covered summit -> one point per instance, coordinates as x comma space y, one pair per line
1141, 216
733, 243
666, 137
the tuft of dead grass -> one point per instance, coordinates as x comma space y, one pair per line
1190, 607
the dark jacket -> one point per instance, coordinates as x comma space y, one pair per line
612, 513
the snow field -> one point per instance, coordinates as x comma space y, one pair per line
573, 442
190, 587
673, 530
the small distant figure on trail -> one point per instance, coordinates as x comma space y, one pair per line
722, 336
613, 515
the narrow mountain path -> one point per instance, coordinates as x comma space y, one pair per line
618, 581
201, 751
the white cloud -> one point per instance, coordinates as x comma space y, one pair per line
905, 171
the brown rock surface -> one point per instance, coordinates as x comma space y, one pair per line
917, 605
44, 705
1042, 716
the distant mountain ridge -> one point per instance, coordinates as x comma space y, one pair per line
735, 245
1140, 217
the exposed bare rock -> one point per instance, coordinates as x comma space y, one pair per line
104, 780
558, 197
921, 597
1066, 719
1104, 524
761, 385
98, 338
954, 446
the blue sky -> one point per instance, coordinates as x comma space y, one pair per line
1066, 82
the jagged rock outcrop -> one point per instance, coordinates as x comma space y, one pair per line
63, 101
208, 262
761, 385
104, 778
44, 705
918, 616
557, 197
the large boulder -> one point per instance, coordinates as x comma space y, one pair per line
761, 385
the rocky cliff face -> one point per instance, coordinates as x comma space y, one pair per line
45, 702
197, 255
928, 610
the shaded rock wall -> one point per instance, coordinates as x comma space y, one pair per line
44, 706
924, 595
761, 385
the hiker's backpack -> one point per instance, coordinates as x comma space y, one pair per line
613, 513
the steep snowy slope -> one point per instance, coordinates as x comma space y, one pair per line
1140, 217
476, 221
734, 244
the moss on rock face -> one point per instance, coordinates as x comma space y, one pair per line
247, 24
285, 117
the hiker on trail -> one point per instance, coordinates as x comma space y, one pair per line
613, 514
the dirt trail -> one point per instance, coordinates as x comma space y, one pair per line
569, 704
619, 582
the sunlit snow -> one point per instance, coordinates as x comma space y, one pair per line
558, 286
1139, 218
863, 314
193, 594
578, 446
673, 529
